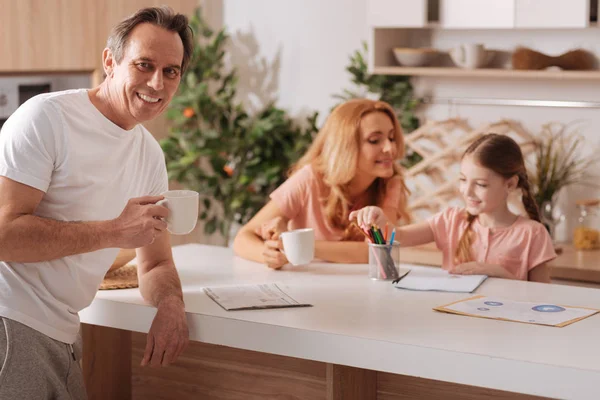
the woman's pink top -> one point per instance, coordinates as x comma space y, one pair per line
301, 199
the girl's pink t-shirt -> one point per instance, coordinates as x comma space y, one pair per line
301, 199
519, 248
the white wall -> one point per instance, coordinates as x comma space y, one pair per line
296, 51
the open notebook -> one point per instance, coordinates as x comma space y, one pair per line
437, 279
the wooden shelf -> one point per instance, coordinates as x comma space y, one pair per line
433, 25
488, 73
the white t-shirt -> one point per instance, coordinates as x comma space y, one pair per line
88, 168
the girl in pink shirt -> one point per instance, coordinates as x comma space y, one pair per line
352, 163
485, 237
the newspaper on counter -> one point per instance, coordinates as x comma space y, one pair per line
252, 297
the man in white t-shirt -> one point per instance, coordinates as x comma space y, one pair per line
79, 179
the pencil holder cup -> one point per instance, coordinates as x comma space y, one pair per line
384, 261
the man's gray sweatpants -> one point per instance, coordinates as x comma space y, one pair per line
34, 366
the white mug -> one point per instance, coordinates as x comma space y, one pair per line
299, 245
470, 55
183, 210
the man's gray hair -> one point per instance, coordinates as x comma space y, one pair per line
163, 17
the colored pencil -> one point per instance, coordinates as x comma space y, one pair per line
373, 232
381, 235
361, 230
393, 235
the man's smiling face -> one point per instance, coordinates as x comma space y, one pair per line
146, 79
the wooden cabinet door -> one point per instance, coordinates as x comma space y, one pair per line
64, 35
48, 35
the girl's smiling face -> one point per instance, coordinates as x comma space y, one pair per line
482, 189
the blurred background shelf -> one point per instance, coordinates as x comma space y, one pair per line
489, 73
552, 27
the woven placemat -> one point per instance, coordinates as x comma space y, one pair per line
121, 278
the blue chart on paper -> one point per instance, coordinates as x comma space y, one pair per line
493, 303
548, 308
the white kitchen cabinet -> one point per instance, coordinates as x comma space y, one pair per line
485, 14
552, 13
397, 13
480, 14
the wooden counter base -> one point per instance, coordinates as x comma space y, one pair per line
111, 366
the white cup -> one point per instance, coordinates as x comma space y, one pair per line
299, 245
470, 55
183, 210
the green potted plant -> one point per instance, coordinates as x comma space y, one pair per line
233, 159
558, 163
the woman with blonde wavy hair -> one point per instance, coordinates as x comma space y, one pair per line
352, 163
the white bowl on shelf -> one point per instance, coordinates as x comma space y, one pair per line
414, 57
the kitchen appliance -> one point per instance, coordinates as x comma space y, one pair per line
17, 89
3, 103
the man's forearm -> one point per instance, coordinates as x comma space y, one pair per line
161, 283
30, 238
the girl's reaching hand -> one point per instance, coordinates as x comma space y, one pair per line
470, 268
477, 268
367, 216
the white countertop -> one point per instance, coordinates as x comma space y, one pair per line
370, 324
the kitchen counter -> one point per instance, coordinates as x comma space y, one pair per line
356, 327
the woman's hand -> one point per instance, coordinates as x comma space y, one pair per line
270, 232
271, 229
273, 254
367, 216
